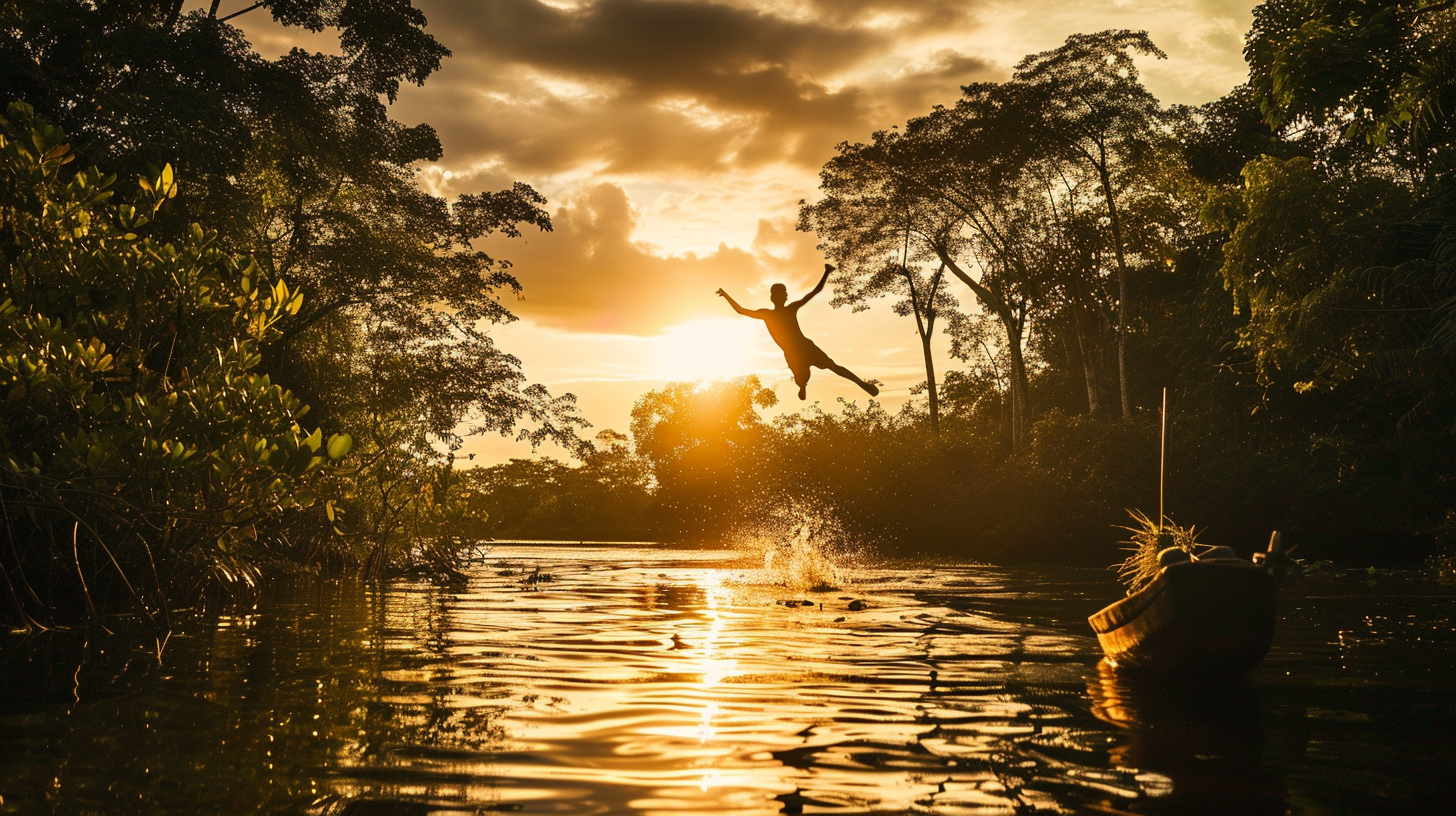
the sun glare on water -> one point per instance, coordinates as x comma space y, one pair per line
708, 350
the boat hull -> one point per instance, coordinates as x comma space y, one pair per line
1205, 618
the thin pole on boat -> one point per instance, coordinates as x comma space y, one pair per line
1162, 457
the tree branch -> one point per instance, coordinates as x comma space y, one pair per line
306, 323
236, 13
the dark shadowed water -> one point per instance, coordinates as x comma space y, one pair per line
652, 680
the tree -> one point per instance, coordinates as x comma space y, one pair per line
1373, 83
705, 442
859, 237
1337, 248
1375, 71
1299, 242
950, 185
132, 81
1070, 254
922, 297
1093, 106
1217, 139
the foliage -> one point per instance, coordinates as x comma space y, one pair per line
297, 162
607, 497
1378, 71
1299, 248
705, 443
143, 458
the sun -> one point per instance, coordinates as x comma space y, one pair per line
708, 350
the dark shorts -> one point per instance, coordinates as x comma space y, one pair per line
800, 360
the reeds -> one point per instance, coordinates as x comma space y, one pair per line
1147, 540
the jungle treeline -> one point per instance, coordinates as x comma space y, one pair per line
1280, 260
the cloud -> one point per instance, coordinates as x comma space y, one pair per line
643, 86
589, 274
656, 45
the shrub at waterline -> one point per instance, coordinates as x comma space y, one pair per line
143, 462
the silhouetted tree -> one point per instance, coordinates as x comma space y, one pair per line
297, 162
1093, 106
949, 186
706, 443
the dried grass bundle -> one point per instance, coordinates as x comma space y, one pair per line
1147, 540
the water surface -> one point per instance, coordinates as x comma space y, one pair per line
587, 680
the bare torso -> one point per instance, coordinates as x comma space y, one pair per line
783, 327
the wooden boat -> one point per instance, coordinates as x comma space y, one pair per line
1212, 615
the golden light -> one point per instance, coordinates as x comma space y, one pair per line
707, 349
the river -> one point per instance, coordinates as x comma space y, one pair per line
653, 680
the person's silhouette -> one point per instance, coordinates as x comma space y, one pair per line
783, 326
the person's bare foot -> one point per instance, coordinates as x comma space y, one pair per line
801, 393
871, 389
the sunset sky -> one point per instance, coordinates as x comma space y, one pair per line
674, 140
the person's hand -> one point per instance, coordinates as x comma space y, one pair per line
722, 294
828, 268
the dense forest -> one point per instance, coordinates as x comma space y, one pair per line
260, 362
1280, 260
263, 361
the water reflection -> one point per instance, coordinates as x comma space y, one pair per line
656, 681
1199, 744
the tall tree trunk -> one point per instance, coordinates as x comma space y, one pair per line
1089, 365
996, 301
925, 324
930, 388
1018, 381
173, 14
1115, 220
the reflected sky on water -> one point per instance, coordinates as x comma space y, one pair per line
649, 680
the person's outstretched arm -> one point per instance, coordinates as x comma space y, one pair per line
816, 290
736, 307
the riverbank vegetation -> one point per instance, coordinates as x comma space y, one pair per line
261, 362
1280, 259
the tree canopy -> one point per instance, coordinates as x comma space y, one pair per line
295, 164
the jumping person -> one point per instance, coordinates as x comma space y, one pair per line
783, 326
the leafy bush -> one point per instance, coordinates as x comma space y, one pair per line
143, 460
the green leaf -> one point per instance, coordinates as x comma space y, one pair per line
339, 445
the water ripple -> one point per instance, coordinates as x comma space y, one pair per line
657, 681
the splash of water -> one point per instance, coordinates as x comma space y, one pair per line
804, 547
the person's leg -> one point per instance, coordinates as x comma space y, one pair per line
850, 375
801, 376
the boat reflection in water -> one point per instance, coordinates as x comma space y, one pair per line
1205, 738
